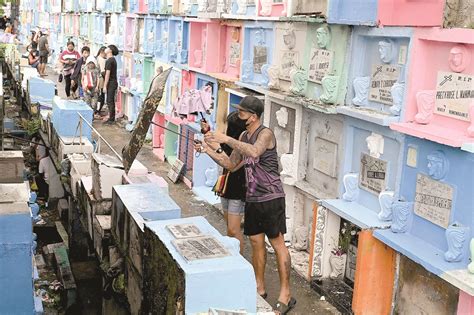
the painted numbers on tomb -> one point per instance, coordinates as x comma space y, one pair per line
382, 78
454, 93
373, 174
433, 200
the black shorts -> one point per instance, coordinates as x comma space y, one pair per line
43, 59
265, 217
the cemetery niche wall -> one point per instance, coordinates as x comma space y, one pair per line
386, 13
432, 221
257, 52
440, 99
378, 74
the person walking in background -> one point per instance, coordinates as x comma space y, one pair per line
76, 76
90, 82
42, 179
68, 58
111, 82
43, 48
101, 59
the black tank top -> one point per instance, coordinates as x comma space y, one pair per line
263, 178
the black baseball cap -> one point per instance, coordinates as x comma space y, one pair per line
251, 104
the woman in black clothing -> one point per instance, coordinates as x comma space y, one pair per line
233, 199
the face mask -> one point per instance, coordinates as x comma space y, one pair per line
245, 121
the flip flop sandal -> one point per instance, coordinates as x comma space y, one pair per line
264, 295
283, 308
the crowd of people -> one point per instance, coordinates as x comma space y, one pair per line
88, 77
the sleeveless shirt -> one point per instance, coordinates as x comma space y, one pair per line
263, 178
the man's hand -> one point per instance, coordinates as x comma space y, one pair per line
217, 137
200, 147
213, 145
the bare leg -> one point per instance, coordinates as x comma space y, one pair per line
284, 267
233, 228
259, 260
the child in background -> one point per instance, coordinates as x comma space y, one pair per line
101, 59
90, 82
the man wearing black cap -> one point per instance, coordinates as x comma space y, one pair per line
265, 198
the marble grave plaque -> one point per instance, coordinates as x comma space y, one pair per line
202, 247
184, 230
234, 54
373, 173
433, 200
289, 60
454, 94
175, 171
260, 58
321, 62
325, 158
382, 78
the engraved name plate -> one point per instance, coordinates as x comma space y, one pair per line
184, 230
204, 247
433, 200
373, 174
382, 78
454, 93
320, 64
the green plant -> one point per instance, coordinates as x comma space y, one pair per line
32, 125
347, 232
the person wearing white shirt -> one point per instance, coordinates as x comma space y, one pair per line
42, 179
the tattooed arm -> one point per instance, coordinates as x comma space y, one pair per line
264, 142
228, 162
231, 162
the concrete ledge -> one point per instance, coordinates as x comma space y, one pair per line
436, 133
368, 115
207, 194
430, 257
356, 213
460, 278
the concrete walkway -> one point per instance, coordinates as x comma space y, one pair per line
308, 301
